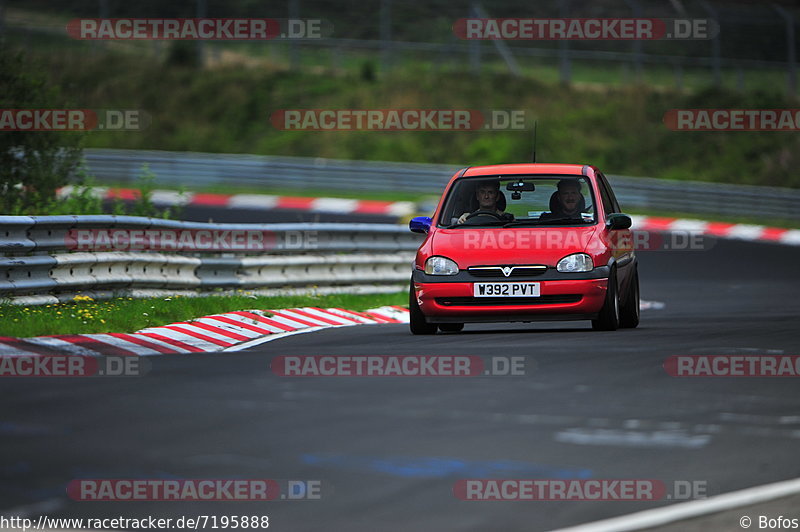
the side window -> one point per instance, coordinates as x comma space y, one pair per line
608, 207
610, 192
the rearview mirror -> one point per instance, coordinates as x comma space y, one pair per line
420, 224
521, 186
617, 221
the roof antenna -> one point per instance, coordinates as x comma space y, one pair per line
533, 157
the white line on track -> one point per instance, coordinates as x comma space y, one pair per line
633, 438
687, 510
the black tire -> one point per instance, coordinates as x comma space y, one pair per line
417, 322
629, 311
608, 319
451, 327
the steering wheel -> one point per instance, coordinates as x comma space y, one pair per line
484, 213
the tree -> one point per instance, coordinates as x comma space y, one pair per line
33, 164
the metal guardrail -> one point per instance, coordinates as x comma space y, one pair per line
37, 258
204, 169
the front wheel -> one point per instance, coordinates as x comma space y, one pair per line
629, 312
608, 318
417, 322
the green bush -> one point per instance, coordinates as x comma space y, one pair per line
33, 164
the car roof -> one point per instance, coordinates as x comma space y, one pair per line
528, 168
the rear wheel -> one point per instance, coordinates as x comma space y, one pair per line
417, 322
608, 319
451, 327
629, 312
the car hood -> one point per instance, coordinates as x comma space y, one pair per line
513, 245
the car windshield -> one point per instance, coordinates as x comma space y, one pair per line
509, 201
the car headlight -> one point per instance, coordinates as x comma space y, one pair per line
577, 262
440, 266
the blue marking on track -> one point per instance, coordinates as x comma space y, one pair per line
8, 428
437, 467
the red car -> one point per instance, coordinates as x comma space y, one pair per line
525, 242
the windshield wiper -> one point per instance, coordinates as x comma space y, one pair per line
532, 221
485, 224
562, 219
526, 221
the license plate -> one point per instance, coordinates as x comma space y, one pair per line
506, 289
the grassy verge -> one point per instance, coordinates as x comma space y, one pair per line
129, 315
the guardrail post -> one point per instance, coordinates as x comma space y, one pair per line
474, 47
386, 35
294, 53
637, 43
678, 75
564, 66
201, 13
2, 20
716, 62
791, 53
103, 12
739, 79
501, 46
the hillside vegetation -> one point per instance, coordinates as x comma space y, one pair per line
227, 109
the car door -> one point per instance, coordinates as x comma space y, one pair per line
621, 241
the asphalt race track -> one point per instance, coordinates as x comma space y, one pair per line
389, 450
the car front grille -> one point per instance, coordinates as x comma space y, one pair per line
513, 271
507, 301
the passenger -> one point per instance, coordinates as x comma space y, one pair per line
568, 202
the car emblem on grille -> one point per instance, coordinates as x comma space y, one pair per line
507, 270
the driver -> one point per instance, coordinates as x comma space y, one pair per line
486, 194
569, 200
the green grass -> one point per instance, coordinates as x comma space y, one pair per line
129, 315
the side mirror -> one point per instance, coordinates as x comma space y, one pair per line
617, 221
420, 224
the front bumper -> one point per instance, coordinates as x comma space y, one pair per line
561, 299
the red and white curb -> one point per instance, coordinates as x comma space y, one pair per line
719, 229
400, 209
265, 202
218, 332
